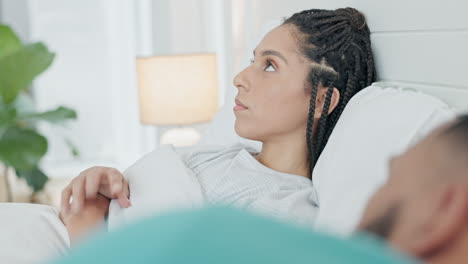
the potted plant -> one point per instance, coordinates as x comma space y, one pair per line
21, 145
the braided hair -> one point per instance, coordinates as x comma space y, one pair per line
458, 130
338, 43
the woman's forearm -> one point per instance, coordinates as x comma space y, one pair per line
80, 225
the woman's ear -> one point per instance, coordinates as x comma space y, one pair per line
447, 223
321, 95
334, 100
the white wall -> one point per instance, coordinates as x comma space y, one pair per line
15, 13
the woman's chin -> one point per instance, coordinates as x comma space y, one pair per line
243, 132
240, 130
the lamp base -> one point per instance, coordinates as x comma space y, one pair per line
180, 137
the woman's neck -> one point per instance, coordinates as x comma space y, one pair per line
286, 156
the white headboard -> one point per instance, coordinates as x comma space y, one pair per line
420, 44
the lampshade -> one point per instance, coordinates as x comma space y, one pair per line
178, 89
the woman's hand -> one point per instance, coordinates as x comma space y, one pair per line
108, 182
86, 219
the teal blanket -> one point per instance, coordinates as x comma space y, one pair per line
223, 235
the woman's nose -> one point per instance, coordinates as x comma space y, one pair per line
240, 81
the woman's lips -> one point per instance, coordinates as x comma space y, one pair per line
239, 106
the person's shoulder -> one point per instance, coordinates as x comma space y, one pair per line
196, 155
208, 149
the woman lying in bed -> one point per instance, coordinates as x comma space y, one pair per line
303, 74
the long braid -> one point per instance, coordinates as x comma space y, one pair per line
321, 133
338, 43
310, 122
350, 90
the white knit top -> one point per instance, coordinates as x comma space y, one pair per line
232, 176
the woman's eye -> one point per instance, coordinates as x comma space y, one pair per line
270, 67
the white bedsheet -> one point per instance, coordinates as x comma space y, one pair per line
31, 233
159, 182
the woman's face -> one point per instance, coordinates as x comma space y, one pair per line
272, 101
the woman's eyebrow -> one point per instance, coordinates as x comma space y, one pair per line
273, 53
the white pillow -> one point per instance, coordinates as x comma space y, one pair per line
31, 233
159, 182
376, 124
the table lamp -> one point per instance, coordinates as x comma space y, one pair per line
175, 92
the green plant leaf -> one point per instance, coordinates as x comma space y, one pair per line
73, 148
22, 148
18, 69
7, 116
55, 116
35, 178
9, 42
